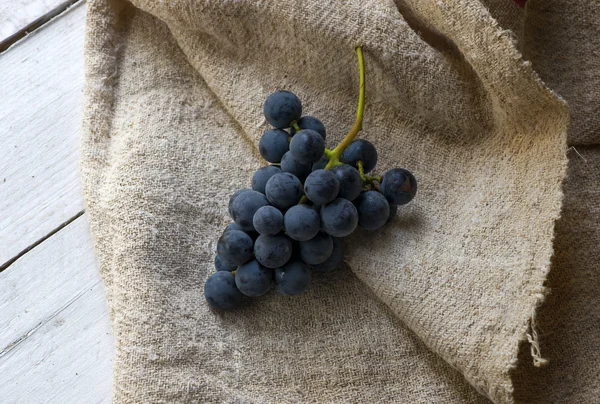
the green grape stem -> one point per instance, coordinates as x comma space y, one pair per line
294, 125
366, 178
334, 155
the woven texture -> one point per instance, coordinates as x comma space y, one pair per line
433, 308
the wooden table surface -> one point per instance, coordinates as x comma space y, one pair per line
55, 340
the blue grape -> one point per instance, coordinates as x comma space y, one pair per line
221, 265
261, 176
317, 249
281, 108
245, 206
310, 122
284, 190
273, 251
234, 197
350, 181
393, 211
334, 260
399, 186
273, 145
220, 291
293, 278
235, 247
321, 186
289, 165
253, 279
307, 146
339, 218
373, 210
268, 220
320, 164
360, 150
301, 222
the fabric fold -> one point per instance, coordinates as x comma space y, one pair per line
173, 113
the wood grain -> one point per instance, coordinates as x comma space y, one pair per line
16, 15
42, 82
55, 341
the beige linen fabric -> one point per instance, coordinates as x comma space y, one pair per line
441, 297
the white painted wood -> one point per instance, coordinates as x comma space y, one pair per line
41, 82
17, 14
55, 341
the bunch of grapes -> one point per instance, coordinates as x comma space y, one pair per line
292, 221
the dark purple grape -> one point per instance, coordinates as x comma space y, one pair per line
301, 222
360, 150
284, 190
273, 251
281, 108
268, 220
321, 186
220, 291
373, 210
234, 197
253, 279
317, 249
350, 181
293, 278
235, 247
393, 211
310, 122
399, 186
320, 164
339, 218
307, 146
273, 145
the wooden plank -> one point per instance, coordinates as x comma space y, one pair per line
42, 82
55, 341
16, 16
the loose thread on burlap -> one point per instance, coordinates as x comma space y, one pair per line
533, 339
575, 150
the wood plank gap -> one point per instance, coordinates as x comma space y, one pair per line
7, 349
40, 241
37, 23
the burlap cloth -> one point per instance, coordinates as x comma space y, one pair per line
449, 303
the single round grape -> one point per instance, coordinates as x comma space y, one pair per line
221, 265
245, 206
321, 186
234, 197
301, 222
399, 186
235, 247
253, 279
293, 278
284, 190
393, 211
320, 164
220, 291
310, 122
273, 145
307, 146
290, 165
334, 260
268, 220
273, 251
281, 108
261, 176
373, 210
317, 249
360, 150
339, 218
350, 181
